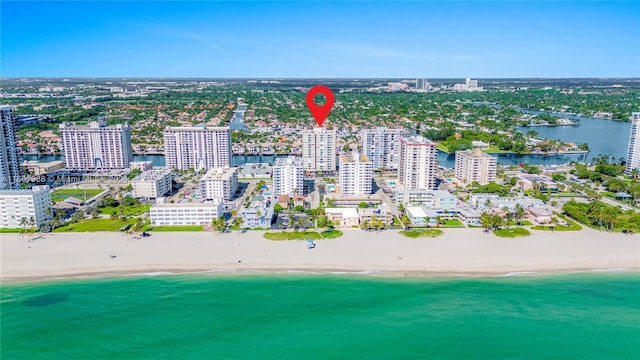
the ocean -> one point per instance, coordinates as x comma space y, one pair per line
323, 316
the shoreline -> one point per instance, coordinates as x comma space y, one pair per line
456, 253
383, 274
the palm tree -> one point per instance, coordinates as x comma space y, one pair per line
520, 213
365, 224
137, 227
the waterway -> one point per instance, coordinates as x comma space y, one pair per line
237, 120
444, 159
603, 136
606, 137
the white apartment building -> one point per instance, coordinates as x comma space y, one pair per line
18, 204
152, 184
96, 146
319, 149
437, 199
165, 214
633, 154
219, 183
9, 157
355, 175
475, 165
288, 176
197, 147
141, 165
417, 165
382, 146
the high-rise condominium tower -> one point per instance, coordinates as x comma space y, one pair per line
382, 146
418, 161
475, 165
633, 153
319, 149
96, 146
355, 175
198, 147
288, 176
9, 157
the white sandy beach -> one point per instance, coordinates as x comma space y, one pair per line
457, 251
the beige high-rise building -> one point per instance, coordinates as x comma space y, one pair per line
418, 162
96, 146
197, 147
319, 150
355, 175
475, 165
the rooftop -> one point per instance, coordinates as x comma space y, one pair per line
345, 212
417, 140
416, 211
200, 127
152, 175
219, 173
289, 161
353, 157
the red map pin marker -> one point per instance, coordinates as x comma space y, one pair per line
320, 112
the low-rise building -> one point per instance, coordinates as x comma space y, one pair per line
257, 216
166, 214
345, 217
489, 201
541, 215
141, 165
431, 198
152, 184
41, 168
531, 181
382, 213
353, 200
219, 183
16, 205
418, 216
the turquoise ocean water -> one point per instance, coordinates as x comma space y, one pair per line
304, 316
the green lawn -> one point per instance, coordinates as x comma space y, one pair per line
331, 234
127, 210
451, 223
89, 225
495, 149
512, 232
520, 223
9, 230
176, 228
303, 235
443, 147
59, 195
421, 233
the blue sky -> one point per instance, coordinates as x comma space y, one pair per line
320, 39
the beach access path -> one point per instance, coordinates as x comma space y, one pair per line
457, 251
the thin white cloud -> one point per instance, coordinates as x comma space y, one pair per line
158, 28
380, 52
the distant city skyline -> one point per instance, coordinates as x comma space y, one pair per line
320, 39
